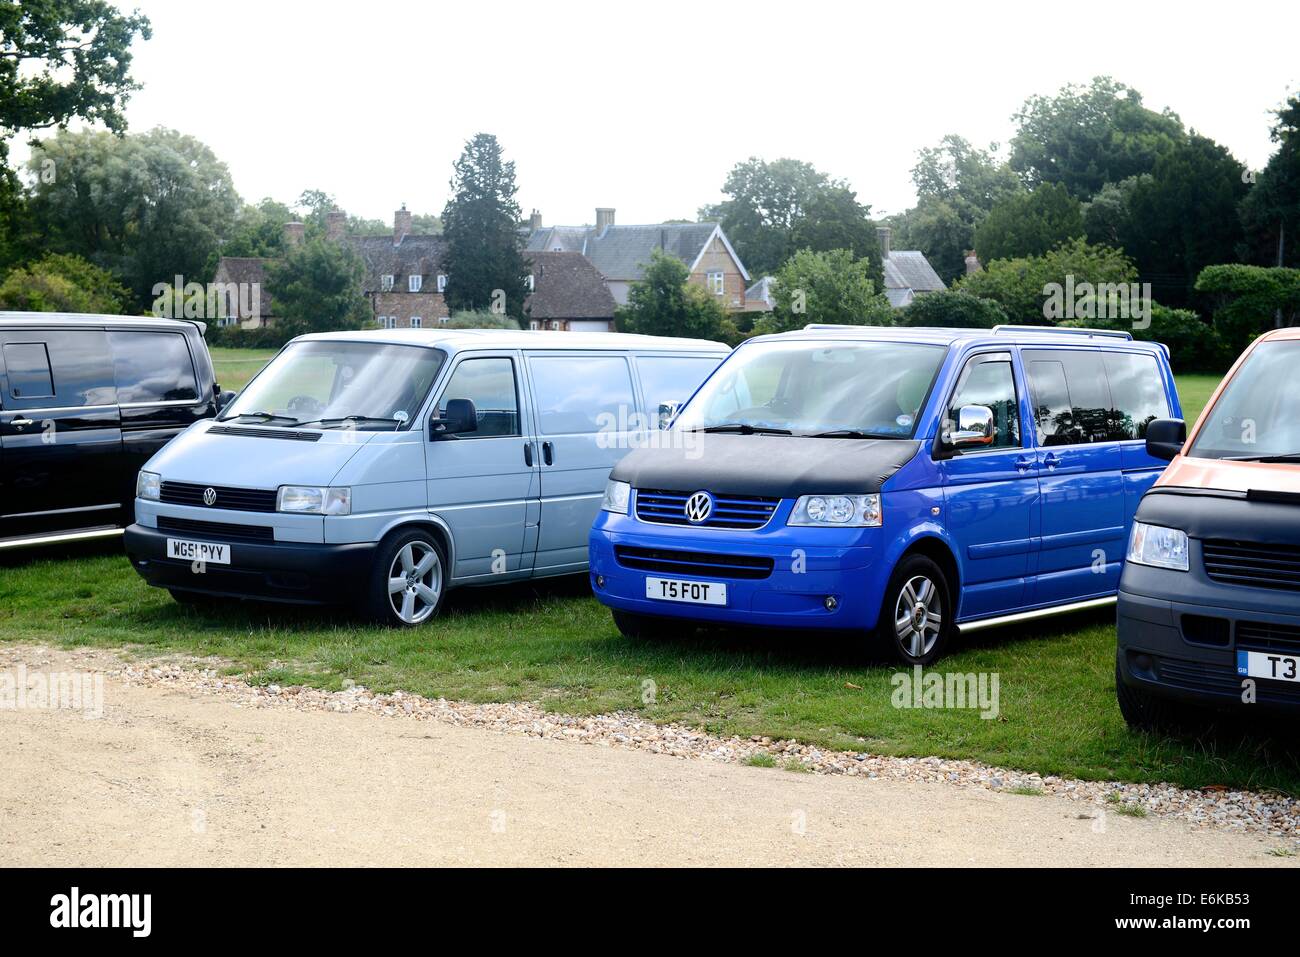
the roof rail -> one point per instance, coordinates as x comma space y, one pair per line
1065, 331
848, 325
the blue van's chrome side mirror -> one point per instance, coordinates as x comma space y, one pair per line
667, 412
974, 428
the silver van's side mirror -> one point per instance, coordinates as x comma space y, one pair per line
667, 412
974, 428
225, 398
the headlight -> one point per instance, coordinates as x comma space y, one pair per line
617, 495
148, 485
314, 500
846, 511
1158, 547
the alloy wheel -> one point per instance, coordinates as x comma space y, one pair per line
918, 616
415, 582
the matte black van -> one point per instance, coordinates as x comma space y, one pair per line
84, 402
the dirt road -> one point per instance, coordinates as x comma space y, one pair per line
170, 777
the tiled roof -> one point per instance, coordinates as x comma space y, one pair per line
247, 270
567, 286
413, 256
909, 269
622, 252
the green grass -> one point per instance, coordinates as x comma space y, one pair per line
760, 760
1194, 391
234, 367
552, 643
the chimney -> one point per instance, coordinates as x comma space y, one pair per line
293, 233
534, 221
604, 217
336, 222
883, 233
401, 224
972, 262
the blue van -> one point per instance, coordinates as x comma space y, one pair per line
899, 482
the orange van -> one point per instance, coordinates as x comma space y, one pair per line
1209, 597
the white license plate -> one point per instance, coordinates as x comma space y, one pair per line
188, 551
1266, 664
695, 593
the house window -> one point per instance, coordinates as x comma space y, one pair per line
387, 322
415, 322
532, 283
442, 282
715, 284
386, 283
534, 325
442, 320
413, 283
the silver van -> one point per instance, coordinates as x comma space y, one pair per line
384, 468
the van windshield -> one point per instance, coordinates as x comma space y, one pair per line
333, 384
844, 389
1258, 415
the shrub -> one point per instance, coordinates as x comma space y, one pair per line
1194, 345
1248, 300
952, 308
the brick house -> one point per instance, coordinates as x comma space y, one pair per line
568, 293
621, 253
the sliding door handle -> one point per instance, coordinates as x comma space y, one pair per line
548, 453
528, 454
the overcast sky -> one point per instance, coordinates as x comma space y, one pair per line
645, 106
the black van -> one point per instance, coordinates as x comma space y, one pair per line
84, 401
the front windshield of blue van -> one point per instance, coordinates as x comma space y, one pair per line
325, 383
854, 389
1258, 414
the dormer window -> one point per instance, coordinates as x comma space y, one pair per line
442, 283
413, 283
386, 283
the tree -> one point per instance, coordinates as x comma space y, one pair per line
1084, 137
1023, 287
59, 59
938, 230
1106, 217
828, 287
485, 266
59, 283
317, 288
146, 207
1271, 210
665, 303
1249, 300
1029, 224
949, 308
834, 219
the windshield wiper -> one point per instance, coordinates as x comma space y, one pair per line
264, 416
1285, 457
743, 428
339, 420
848, 434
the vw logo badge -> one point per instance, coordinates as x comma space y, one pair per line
209, 496
699, 507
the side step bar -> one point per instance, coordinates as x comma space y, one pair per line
55, 538
1034, 615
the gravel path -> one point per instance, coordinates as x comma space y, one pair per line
178, 745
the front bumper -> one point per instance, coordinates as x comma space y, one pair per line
298, 572
792, 595
1179, 634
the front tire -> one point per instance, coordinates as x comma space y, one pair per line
1144, 711
916, 615
409, 581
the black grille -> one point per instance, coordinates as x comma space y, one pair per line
729, 511
692, 563
1252, 563
293, 435
1204, 630
189, 526
239, 499
1261, 636
1223, 681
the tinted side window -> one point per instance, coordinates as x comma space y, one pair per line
581, 394
73, 365
671, 379
490, 384
153, 367
1138, 392
991, 383
29, 370
1071, 398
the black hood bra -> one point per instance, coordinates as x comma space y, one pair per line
775, 466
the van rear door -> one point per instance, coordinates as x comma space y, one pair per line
586, 413
61, 464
